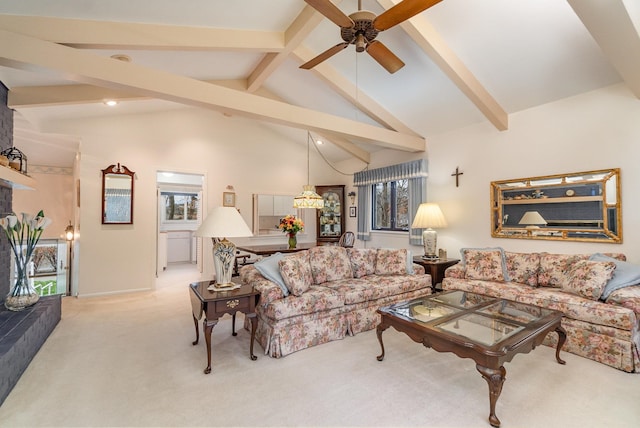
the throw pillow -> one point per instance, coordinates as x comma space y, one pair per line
270, 269
588, 278
329, 263
487, 264
626, 274
523, 267
363, 261
554, 268
296, 272
391, 261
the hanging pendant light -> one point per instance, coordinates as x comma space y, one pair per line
308, 198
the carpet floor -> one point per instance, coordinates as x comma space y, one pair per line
128, 361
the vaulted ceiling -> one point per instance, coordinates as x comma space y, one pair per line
466, 62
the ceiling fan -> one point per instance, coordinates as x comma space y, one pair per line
361, 28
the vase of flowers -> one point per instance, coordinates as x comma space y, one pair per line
291, 225
23, 235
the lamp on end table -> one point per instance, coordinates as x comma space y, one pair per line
428, 217
223, 222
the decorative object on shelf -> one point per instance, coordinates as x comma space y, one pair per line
223, 222
17, 159
229, 199
353, 211
570, 192
291, 225
428, 217
117, 195
23, 235
352, 196
331, 218
308, 198
532, 220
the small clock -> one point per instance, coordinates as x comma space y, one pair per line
570, 192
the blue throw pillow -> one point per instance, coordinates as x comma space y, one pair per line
269, 268
626, 274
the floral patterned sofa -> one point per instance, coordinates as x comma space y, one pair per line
595, 292
322, 294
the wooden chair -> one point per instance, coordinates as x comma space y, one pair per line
347, 240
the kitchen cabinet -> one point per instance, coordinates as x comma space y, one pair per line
330, 219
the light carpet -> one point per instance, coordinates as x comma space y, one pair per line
127, 360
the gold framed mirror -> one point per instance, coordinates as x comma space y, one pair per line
581, 206
117, 195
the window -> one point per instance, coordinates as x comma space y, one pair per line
180, 206
391, 206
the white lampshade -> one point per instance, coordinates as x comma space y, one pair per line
223, 222
532, 219
429, 215
308, 199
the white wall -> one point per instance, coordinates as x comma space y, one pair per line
228, 151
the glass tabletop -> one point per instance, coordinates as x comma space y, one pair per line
423, 310
480, 328
520, 312
461, 299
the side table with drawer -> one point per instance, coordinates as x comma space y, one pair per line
214, 304
436, 268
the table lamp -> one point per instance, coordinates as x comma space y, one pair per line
223, 222
429, 216
532, 219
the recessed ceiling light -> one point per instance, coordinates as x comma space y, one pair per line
320, 142
111, 103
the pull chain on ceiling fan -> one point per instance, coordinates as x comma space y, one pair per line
362, 27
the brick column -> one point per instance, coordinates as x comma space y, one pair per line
6, 194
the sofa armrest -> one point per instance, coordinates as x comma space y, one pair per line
418, 269
269, 290
455, 271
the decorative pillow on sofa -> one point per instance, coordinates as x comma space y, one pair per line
626, 274
484, 263
523, 267
554, 268
270, 269
588, 278
329, 263
296, 272
391, 261
363, 261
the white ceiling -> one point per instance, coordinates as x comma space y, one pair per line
470, 61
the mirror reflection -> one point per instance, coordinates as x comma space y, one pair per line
117, 195
583, 206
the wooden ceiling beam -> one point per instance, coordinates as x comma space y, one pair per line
88, 34
24, 52
426, 36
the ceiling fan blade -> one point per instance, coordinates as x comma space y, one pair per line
384, 56
401, 12
332, 12
324, 56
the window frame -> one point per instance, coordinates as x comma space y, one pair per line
393, 207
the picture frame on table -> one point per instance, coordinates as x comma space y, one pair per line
228, 199
353, 211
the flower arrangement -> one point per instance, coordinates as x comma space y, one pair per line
23, 235
291, 224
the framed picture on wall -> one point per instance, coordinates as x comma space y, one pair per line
228, 199
353, 212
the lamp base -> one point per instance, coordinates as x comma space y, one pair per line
224, 256
224, 287
430, 241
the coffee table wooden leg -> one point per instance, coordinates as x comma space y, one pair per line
233, 324
254, 324
207, 326
381, 327
495, 379
562, 337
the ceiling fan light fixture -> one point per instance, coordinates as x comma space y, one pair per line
360, 42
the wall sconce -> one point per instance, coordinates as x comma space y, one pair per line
69, 232
352, 196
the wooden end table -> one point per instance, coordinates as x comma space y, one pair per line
214, 304
436, 268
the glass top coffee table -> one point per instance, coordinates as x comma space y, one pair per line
488, 330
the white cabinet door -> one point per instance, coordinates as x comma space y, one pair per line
265, 205
283, 205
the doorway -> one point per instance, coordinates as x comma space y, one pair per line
180, 212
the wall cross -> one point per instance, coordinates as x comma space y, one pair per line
457, 174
